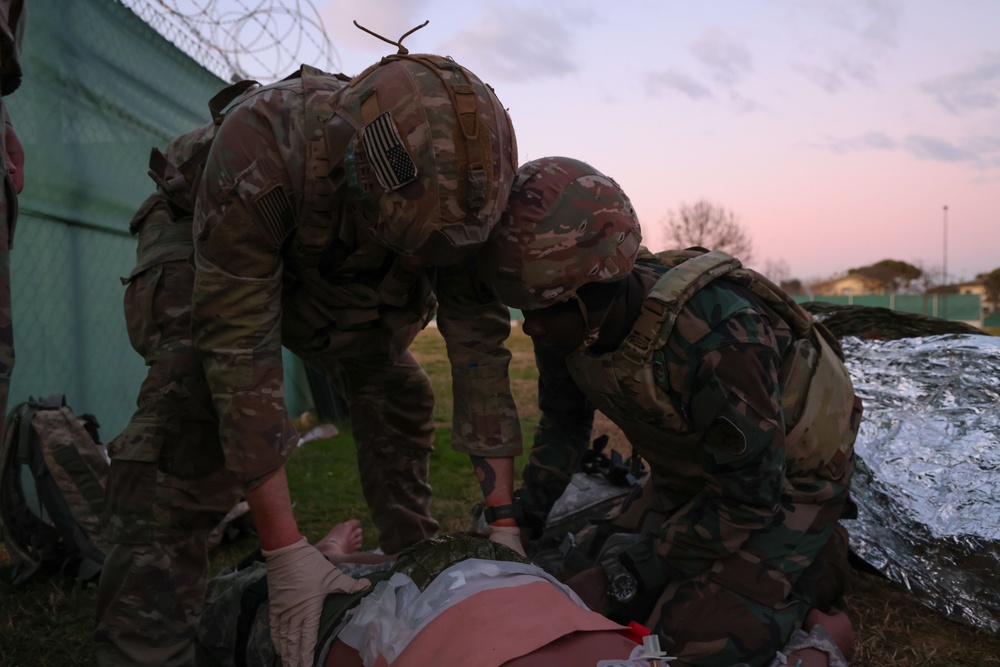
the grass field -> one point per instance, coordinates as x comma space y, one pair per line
48, 622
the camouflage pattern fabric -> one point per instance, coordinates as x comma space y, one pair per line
738, 518
566, 225
328, 320
167, 487
254, 292
12, 18
561, 439
218, 628
389, 399
448, 186
332, 294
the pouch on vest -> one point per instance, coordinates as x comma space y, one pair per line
822, 439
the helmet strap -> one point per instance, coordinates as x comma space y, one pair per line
595, 301
592, 331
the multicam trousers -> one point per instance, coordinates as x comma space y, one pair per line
168, 486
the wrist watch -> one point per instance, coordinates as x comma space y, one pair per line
494, 514
622, 585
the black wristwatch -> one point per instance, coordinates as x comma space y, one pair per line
622, 585
494, 514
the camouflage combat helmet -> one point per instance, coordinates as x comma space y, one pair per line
566, 225
433, 158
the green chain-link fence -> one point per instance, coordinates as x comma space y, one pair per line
101, 88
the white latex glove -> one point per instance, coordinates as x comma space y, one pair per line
298, 580
509, 536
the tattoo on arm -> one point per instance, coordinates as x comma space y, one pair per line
486, 475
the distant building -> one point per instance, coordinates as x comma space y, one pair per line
975, 287
853, 284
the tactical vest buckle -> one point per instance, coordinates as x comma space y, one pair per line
636, 347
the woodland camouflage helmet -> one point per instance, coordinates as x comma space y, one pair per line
434, 156
566, 224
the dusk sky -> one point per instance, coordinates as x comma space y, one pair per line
836, 130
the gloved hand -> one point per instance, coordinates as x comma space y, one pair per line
298, 580
509, 536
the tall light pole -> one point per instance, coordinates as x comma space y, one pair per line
944, 268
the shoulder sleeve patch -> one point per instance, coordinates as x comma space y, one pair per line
273, 212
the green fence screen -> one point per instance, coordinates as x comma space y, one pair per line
101, 88
963, 307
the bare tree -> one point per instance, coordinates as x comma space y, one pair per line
793, 286
709, 226
928, 281
777, 270
779, 273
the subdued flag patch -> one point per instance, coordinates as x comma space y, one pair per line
274, 213
388, 157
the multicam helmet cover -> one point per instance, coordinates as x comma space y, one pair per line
434, 156
566, 224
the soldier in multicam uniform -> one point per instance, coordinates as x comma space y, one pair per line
167, 487
289, 251
332, 215
737, 400
12, 18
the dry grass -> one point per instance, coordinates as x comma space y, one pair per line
892, 628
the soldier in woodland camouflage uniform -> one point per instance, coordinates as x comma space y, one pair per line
333, 213
12, 18
737, 400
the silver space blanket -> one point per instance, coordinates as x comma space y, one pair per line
928, 478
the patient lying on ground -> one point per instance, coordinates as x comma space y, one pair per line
458, 600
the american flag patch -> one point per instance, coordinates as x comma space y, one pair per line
386, 153
274, 214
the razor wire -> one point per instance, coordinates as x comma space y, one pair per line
243, 39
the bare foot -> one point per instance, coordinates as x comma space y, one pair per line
343, 539
838, 625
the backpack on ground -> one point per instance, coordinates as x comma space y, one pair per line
52, 477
